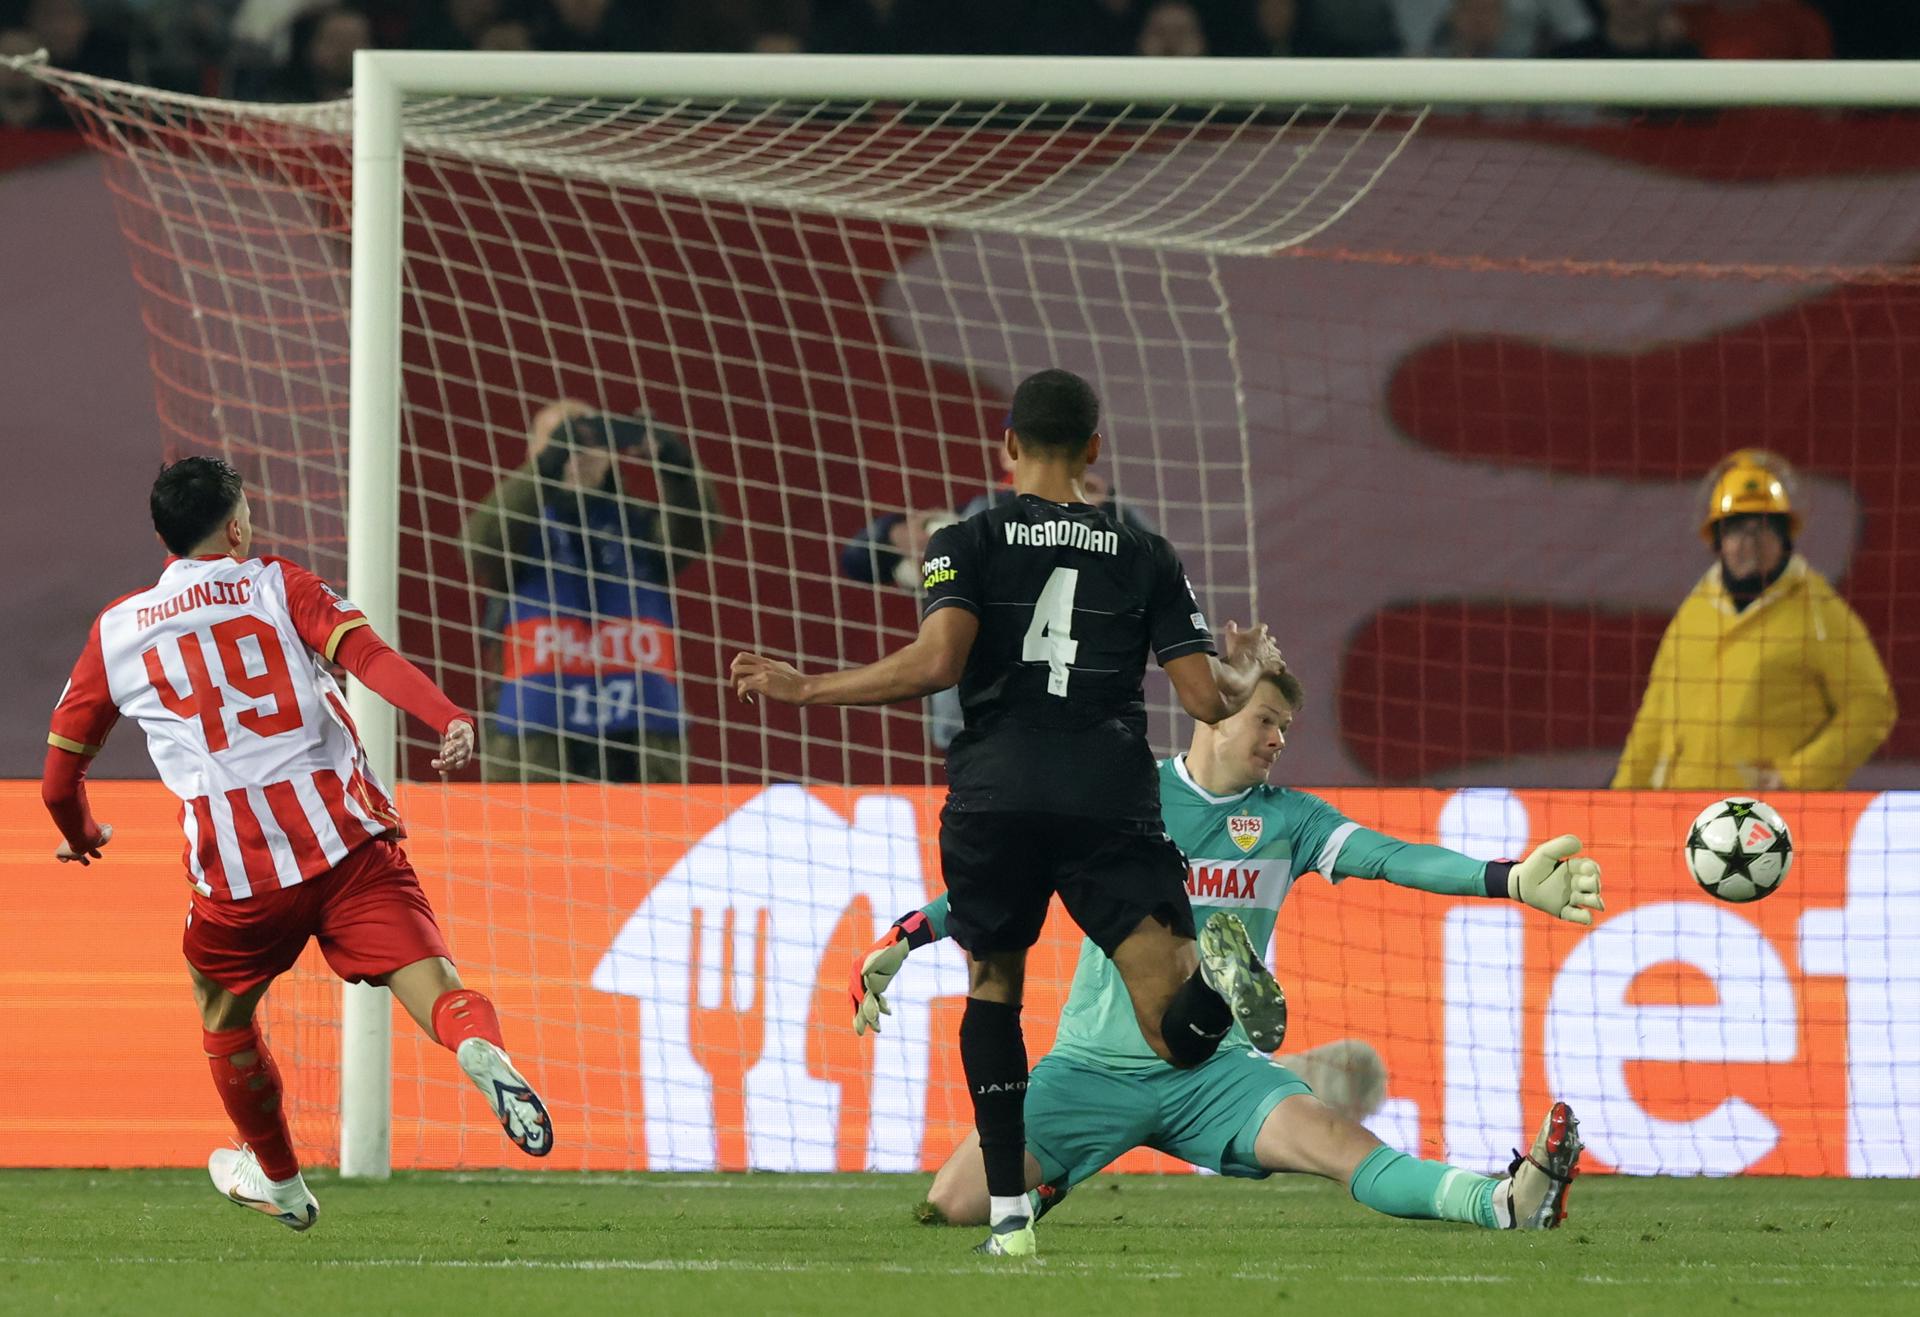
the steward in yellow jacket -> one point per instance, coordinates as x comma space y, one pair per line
1765, 678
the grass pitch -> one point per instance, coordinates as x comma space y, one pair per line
162, 1242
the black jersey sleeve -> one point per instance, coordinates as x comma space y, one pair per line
953, 570
1174, 618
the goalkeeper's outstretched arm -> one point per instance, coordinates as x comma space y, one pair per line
1554, 879
873, 972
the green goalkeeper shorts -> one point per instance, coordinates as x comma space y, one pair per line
1081, 1117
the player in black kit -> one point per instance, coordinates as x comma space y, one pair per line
1043, 609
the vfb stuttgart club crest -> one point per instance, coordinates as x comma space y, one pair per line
1245, 831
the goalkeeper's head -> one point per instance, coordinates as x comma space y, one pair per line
1055, 418
199, 507
1239, 752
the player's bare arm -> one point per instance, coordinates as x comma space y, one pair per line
933, 662
1213, 689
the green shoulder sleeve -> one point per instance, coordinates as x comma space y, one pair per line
1316, 830
1369, 854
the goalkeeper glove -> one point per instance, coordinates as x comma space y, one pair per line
874, 971
1558, 880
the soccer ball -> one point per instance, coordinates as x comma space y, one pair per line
1739, 849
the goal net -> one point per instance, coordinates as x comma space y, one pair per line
1428, 390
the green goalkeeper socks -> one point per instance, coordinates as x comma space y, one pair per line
1399, 1185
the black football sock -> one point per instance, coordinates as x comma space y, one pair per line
994, 1054
1195, 1022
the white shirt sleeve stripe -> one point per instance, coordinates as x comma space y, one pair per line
1330, 853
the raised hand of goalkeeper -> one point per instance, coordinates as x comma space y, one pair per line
1559, 880
874, 971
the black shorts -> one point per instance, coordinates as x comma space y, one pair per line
1002, 869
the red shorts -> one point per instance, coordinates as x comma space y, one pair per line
368, 912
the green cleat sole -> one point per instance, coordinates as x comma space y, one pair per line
1233, 969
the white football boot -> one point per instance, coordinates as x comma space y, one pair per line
236, 1173
1011, 1239
1232, 968
517, 1107
1534, 1194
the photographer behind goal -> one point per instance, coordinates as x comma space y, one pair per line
579, 578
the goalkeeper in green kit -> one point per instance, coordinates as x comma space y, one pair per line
1102, 1092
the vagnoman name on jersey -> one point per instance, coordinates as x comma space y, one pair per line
1062, 534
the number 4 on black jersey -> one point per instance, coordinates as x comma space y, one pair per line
1070, 602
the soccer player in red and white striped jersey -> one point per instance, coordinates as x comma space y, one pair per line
289, 835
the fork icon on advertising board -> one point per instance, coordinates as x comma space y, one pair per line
727, 1039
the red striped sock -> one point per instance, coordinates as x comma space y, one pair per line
463, 1014
249, 1085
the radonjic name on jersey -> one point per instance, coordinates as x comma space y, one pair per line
1244, 852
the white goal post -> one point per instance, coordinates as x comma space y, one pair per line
385, 81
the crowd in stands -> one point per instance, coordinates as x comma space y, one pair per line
297, 50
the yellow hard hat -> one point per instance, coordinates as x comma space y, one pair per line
1749, 483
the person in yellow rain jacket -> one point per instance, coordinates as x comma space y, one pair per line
1765, 678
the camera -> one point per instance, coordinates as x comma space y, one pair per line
594, 432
